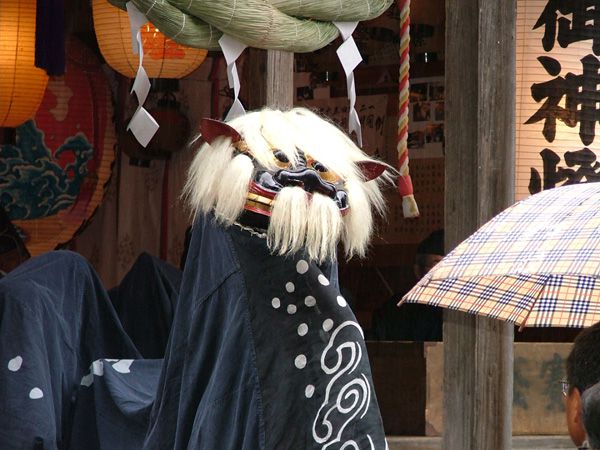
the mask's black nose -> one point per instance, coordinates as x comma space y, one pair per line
308, 179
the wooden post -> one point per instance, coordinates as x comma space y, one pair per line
270, 79
480, 140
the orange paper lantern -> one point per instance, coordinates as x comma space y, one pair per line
163, 57
22, 85
67, 149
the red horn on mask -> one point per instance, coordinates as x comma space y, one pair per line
212, 129
371, 169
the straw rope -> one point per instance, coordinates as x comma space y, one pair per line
297, 26
405, 188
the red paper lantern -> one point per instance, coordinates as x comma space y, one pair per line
74, 135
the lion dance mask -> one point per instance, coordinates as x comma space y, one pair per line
293, 174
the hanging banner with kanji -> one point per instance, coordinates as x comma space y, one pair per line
557, 94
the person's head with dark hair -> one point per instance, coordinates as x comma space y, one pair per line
590, 407
413, 321
430, 251
583, 371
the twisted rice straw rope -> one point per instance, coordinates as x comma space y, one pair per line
405, 188
268, 24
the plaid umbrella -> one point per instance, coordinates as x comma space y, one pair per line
536, 264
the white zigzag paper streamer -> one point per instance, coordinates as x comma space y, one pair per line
142, 124
350, 57
232, 49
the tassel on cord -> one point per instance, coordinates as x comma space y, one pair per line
405, 187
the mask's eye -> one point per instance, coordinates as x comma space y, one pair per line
319, 167
281, 159
324, 172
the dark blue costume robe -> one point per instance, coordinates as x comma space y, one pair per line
55, 320
264, 353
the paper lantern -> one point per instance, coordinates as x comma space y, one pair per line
163, 58
55, 173
557, 95
22, 85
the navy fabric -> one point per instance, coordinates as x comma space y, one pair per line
145, 302
55, 319
264, 354
208, 395
314, 373
113, 406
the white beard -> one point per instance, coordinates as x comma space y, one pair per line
301, 221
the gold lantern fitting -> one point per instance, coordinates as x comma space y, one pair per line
22, 85
163, 57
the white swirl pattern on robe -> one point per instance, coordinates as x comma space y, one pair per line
356, 391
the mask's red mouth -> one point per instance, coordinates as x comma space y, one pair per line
260, 200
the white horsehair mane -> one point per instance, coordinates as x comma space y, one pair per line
218, 181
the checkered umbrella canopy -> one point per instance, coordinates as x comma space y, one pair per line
536, 264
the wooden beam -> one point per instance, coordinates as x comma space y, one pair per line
480, 130
519, 442
270, 79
